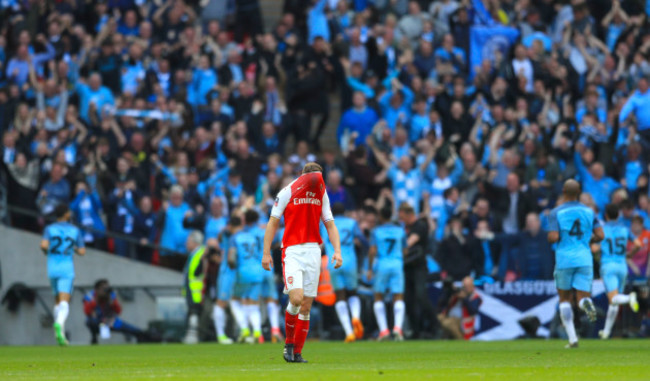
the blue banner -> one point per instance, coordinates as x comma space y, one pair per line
485, 42
504, 304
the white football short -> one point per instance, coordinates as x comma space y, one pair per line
301, 268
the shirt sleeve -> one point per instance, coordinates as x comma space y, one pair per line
552, 222
326, 214
281, 202
46, 234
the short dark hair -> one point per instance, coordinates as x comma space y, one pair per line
386, 213
611, 211
312, 167
251, 216
235, 221
638, 219
338, 208
60, 211
627, 204
101, 283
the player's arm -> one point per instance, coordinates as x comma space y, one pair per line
81, 245
598, 234
232, 257
332, 231
335, 239
269, 235
272, 226
45, 246
553, 235
412, 239
372, 253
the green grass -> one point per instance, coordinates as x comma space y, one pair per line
430, 360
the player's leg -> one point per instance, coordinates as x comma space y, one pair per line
582, 280
293, 285
610, 280
239, 312
379, 287
270, 296
399, 308
311, 265
219, 317
302, 327
619, 274
254, 312
354, 303
563, 283
64, 290
341, 306
614, 278
398, 312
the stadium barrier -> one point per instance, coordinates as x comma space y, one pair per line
23, 262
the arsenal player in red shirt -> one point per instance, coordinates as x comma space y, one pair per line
303, 203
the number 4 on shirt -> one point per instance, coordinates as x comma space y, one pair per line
576, 229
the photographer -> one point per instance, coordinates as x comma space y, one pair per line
459, 309
102, 313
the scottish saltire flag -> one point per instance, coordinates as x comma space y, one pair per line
486, 41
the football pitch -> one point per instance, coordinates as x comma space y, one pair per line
415, 360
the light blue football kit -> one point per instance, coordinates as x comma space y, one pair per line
249, 270
575, 223
390, 240
613, 266
269, 291
346, 276
63, 238
227, 276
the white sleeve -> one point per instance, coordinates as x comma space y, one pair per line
326, 215
281, 202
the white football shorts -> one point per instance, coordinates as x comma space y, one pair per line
301, 268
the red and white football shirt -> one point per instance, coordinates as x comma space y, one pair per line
303, 203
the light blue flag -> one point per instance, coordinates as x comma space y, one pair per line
485, 42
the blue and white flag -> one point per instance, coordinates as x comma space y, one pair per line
485, 42
174, 118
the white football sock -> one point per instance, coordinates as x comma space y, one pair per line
355, 306
55, 311
621, 299
380, 315
219, 317
273, 310
238, 313
193, 322
398, 310
254, 317
63, 311
566, 315
344, 316
612, 314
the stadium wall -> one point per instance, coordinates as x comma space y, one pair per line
21, 261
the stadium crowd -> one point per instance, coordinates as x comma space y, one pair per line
150, 118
